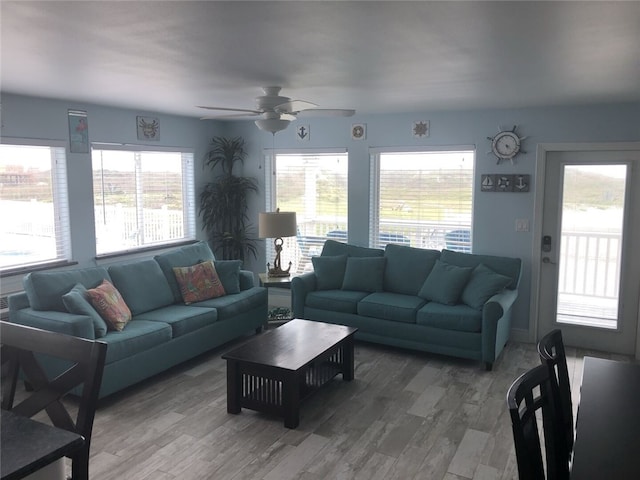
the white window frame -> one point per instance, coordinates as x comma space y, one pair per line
438, 241
298, 249
61, 223
188, 195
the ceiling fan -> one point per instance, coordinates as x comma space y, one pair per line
278, 111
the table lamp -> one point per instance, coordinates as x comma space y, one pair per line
277, 225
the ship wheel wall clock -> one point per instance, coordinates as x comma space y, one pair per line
506, 144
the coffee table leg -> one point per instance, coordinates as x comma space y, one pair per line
291, 401
347, 360
233, 387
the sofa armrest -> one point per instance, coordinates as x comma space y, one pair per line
18, 301
60, 322
496, 323
247, 280
300, 287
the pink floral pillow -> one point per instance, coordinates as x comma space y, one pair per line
199, 282
108, 302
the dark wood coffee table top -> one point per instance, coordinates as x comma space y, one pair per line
292, 345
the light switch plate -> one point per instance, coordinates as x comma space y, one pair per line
522, 224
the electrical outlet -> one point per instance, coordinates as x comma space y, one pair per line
522, 224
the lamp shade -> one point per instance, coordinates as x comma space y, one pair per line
277, 224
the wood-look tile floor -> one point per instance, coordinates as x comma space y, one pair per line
407, 415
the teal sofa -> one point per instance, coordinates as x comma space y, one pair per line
444, 302
163, 331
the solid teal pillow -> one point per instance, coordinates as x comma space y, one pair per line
142, 285
445, 283
75, 301
364, 274
329, 271
483, 285
229, 274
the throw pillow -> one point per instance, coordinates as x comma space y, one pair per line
445, 283
198, 282
329, 271
106, 299
229, 273
483, 285
75, 301
364, 274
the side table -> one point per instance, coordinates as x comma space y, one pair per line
276, 282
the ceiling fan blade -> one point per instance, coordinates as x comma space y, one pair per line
327, 112
225, 109
287, 116
294, 106
231, 115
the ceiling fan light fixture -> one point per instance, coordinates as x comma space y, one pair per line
272, 125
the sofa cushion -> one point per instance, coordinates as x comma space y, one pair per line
108, 302
445, 283
332, 248
232, 305
364, 274
329, 271
198, 282
507, 266
142, 285
182, 318
182, 257
391, 306
407, 268
75, 301
229, 274
460, 317
483, 284
45, 289
345, 301
140, 335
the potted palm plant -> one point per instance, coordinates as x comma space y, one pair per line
223, 201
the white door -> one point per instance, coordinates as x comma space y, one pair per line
589, 274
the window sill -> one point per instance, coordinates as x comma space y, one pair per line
10, 272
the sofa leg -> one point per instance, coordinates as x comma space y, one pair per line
488, 366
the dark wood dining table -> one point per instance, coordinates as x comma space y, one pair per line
607, 443
27, 445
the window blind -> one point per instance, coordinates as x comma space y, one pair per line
422, 198
314, 184
142, 197
34, 203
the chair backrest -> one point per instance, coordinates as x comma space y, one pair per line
529, 393
552, 354
22, 350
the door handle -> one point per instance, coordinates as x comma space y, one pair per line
547, 260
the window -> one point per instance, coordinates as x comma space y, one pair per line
34, 226
314, 185
422, 199
141, 198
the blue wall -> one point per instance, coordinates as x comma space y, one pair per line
494, 213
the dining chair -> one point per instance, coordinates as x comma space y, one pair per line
530, 393
552, 354
22, 350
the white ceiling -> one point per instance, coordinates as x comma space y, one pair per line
376, 57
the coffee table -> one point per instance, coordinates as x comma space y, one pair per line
275, 371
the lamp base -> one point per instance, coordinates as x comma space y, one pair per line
278, 273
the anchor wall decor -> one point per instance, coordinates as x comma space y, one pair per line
496, 182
